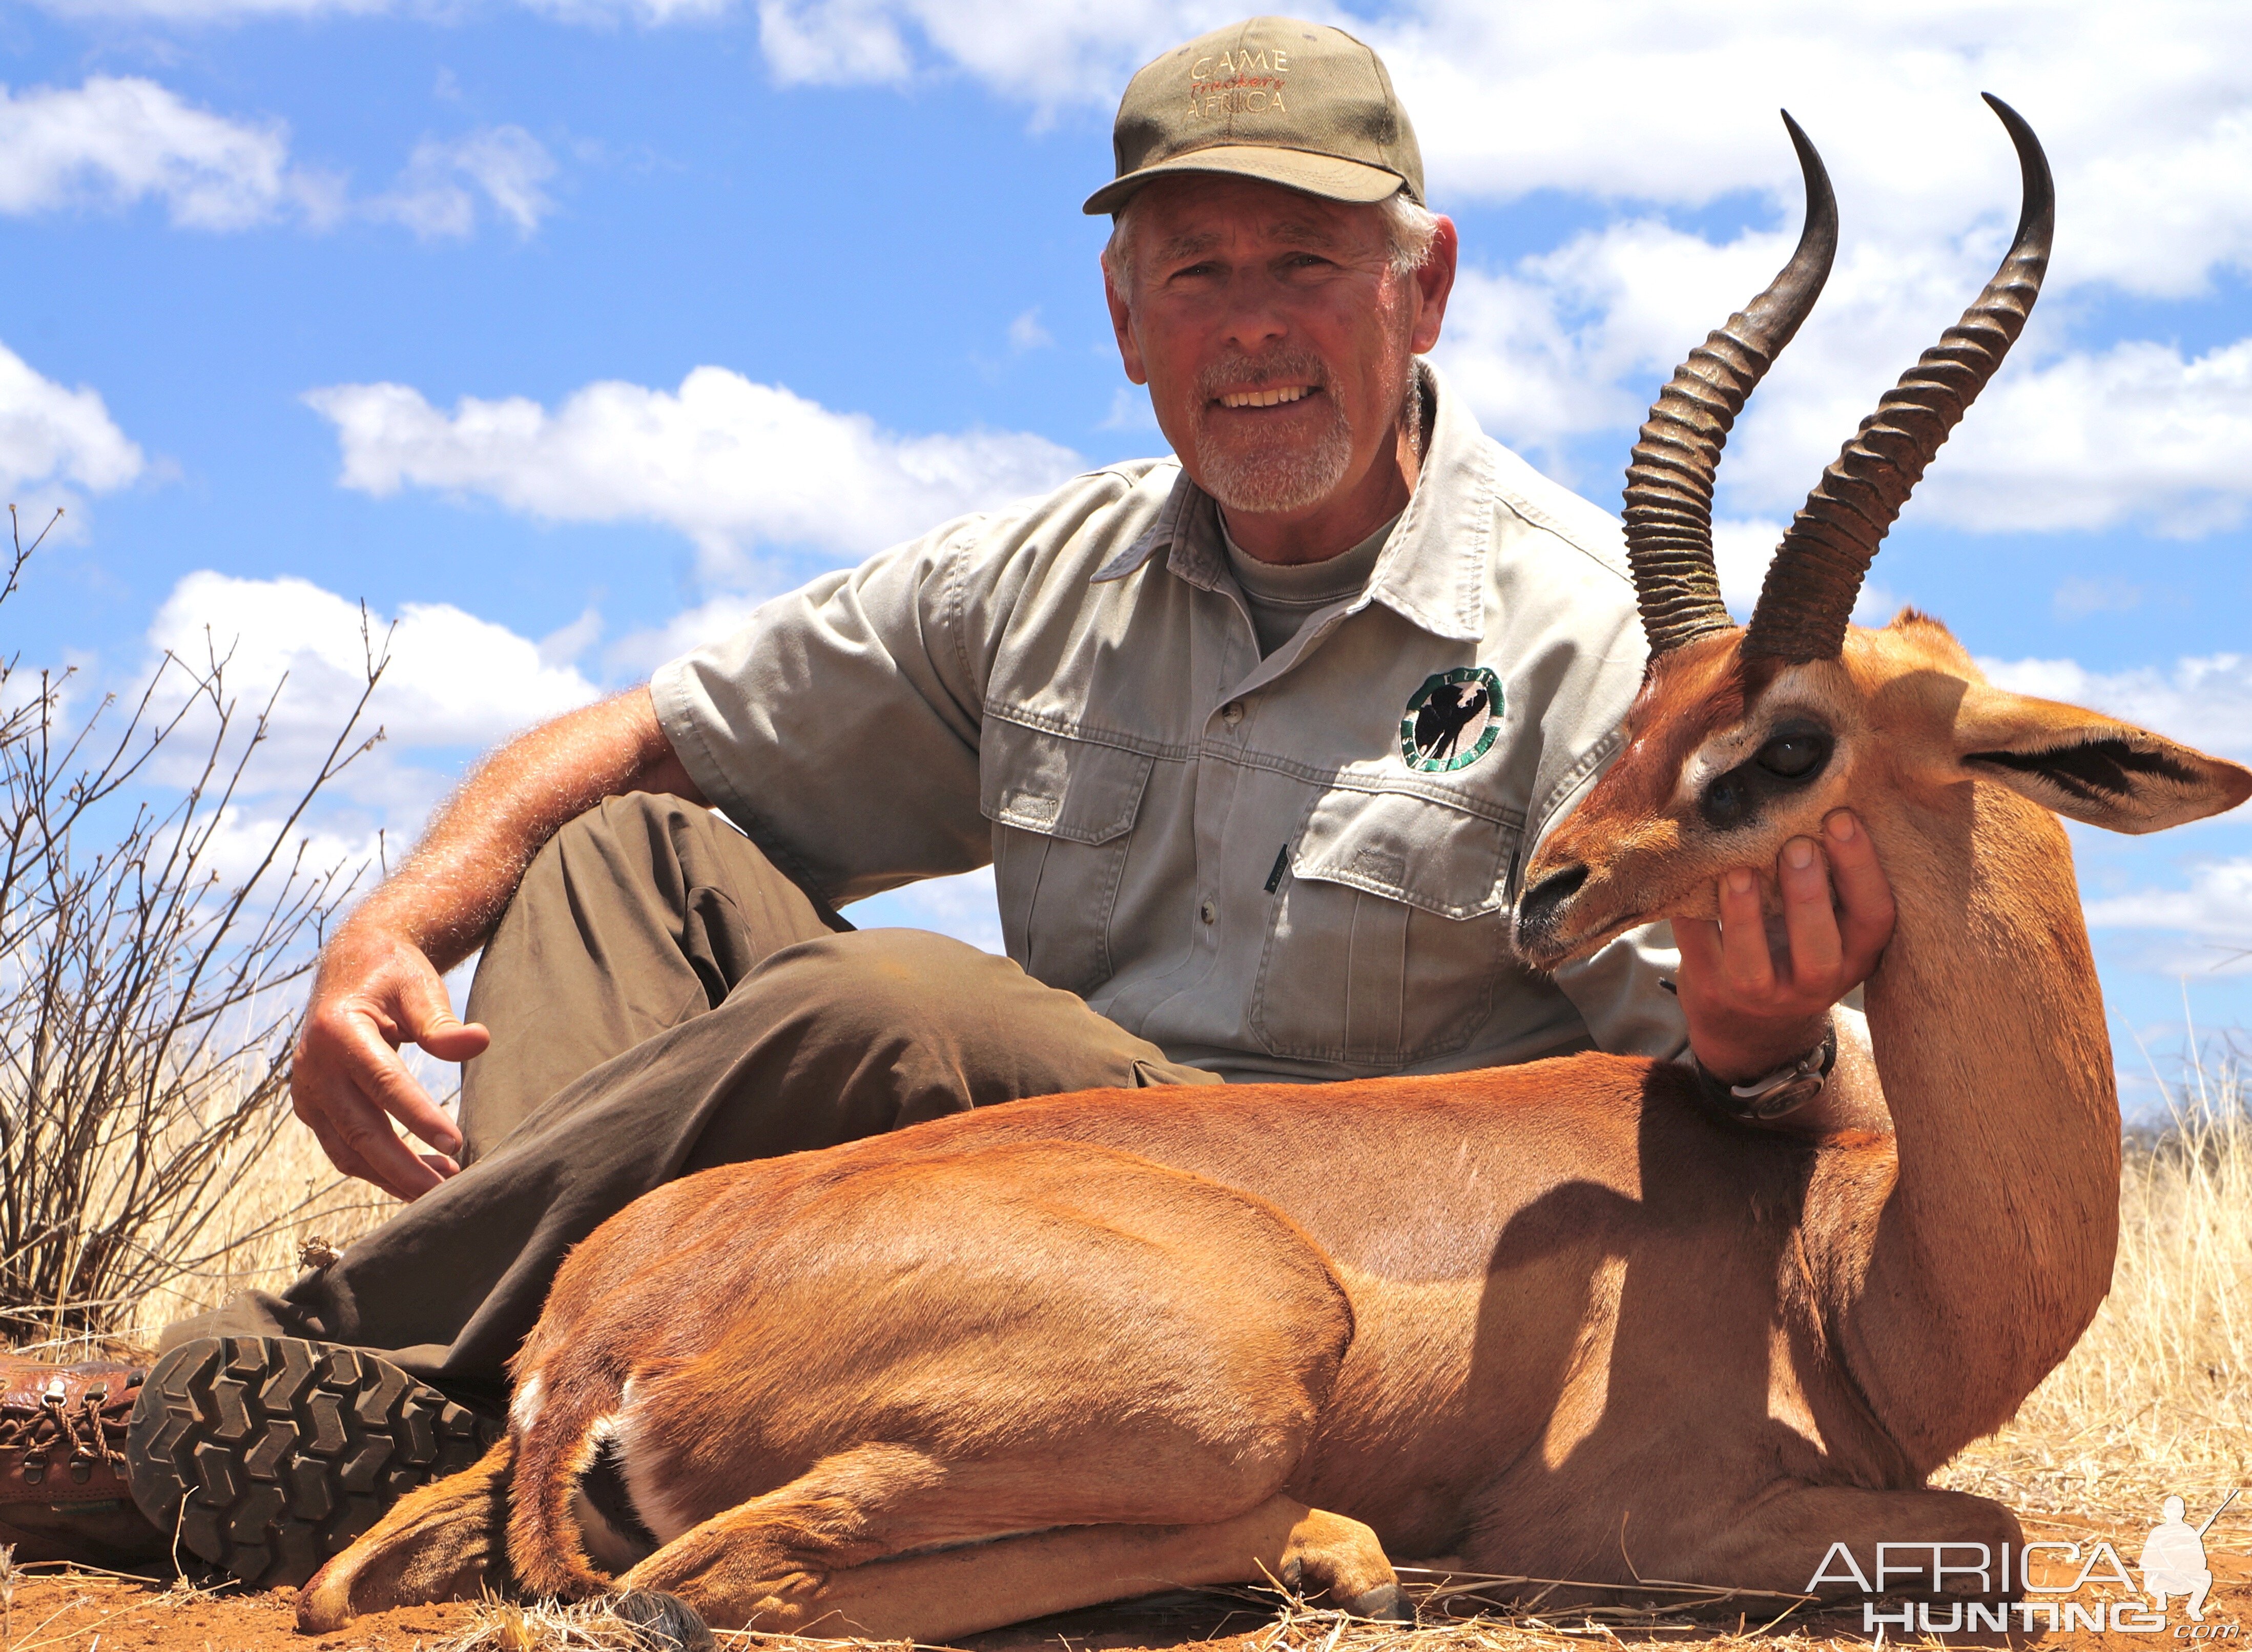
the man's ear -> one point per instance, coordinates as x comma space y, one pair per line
1435, 283
2091, 767
1122, 325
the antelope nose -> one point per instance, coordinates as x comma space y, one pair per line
1538, 906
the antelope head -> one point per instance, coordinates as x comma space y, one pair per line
1742, 738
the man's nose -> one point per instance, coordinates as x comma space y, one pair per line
1256, 317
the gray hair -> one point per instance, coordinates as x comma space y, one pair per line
1409, 229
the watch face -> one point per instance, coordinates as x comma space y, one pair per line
1452, 720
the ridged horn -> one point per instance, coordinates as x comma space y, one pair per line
1808, 598
1669, 480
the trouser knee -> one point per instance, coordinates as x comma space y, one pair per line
937, 1025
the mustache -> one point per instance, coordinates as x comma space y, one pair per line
1234, 375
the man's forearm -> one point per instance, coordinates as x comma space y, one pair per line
452, 890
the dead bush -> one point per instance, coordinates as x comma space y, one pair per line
152, 944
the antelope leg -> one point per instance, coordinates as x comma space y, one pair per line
444, 1542
734, 1572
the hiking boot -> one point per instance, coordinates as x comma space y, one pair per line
269, 1453
64, 1492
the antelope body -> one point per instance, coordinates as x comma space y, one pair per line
1556, 1320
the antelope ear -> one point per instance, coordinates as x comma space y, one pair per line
2091, 767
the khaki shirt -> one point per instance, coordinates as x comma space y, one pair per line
1233, 857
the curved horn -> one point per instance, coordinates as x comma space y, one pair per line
1808, 598
1669, 480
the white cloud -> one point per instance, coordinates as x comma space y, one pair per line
2207, 928
55, 440
1576, 342
639, 652
454, 681
1026, 333
2202, 702
433, 198
726, 462
2091, 439
118, 141
115, 142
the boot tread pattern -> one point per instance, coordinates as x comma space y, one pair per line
268, 1454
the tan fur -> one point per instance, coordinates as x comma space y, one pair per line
446, 1542
1551, 1320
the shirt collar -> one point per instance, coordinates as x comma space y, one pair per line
1433, 570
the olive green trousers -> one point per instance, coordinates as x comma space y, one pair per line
662, 999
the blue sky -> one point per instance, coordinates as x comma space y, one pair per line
738, 292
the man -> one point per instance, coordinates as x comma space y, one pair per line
1257, 740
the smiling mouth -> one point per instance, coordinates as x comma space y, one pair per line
1279, 395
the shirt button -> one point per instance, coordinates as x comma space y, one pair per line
1231, 714
1209, 913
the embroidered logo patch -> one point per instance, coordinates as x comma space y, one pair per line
1451, 720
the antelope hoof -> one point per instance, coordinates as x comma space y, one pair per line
1342, 1559
662, 1622
1387, 1602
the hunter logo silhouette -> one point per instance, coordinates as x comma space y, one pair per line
2173, 1558
1451, 720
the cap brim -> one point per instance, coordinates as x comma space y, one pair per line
1327, 176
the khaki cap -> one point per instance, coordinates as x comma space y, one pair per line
1294, 103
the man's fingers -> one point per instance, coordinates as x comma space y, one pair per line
1864, 892
426, 1017
391, 1165
341, 1151
1808, 917
376, 1070
450, 1038
1698, 941
1746, 962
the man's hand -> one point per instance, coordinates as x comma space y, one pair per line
1757, 990
376, 991
378, 984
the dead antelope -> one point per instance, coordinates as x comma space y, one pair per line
1555, 1320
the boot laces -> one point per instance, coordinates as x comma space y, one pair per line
92, 1429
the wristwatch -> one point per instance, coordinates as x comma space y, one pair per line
1772, 1094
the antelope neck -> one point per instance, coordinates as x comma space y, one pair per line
1994, 1246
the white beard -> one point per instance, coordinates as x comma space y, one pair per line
1281, 476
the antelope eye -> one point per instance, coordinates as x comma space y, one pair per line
1794, 753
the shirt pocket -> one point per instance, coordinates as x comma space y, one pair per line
1063, 811
1389, 935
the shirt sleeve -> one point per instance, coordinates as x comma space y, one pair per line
839, 727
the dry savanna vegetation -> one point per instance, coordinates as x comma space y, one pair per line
152, 955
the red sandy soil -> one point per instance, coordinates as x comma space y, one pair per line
93, 1611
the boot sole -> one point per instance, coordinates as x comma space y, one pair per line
268, 1455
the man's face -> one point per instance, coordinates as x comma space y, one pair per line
1274, 337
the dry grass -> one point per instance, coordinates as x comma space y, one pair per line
283, 1196
275, 1193
2158, 1396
